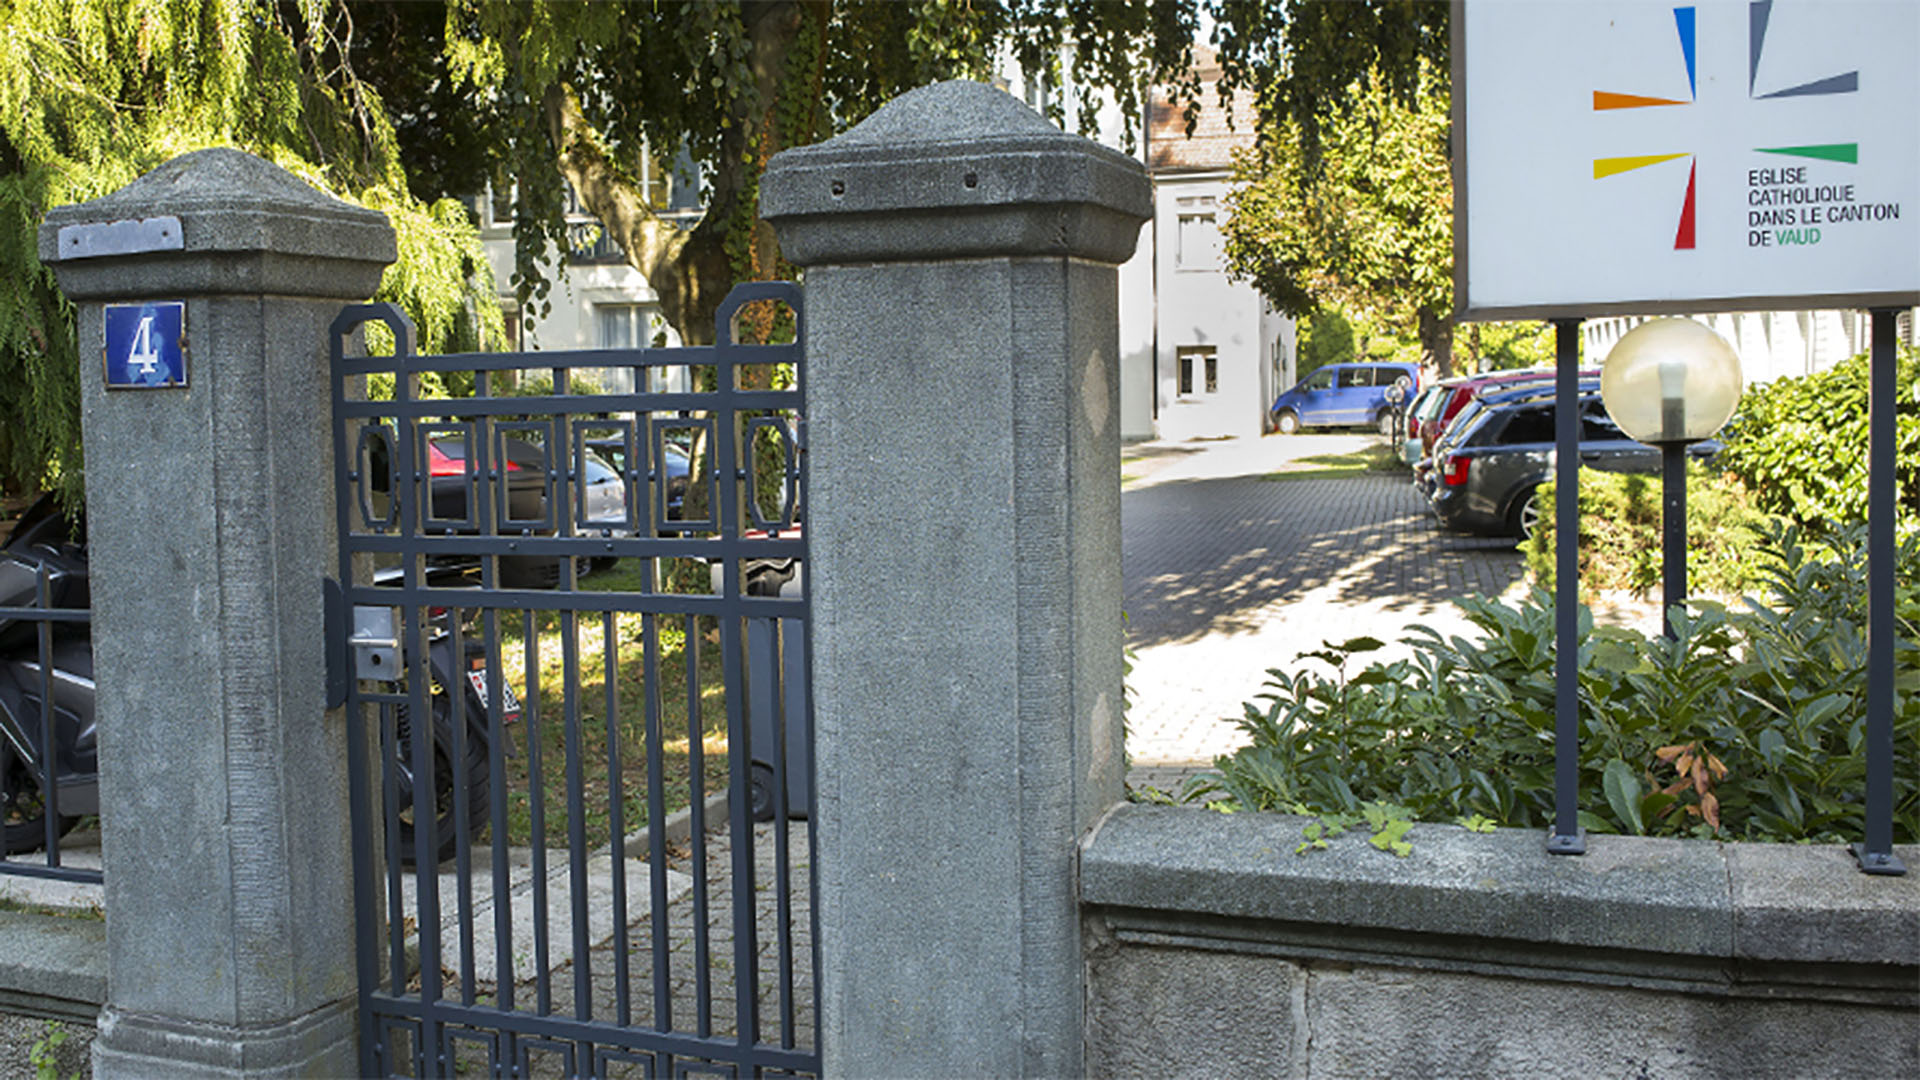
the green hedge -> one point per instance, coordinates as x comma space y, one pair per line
1620, 534
1801, 444
1748, 725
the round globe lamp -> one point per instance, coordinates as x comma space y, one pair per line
1671, 383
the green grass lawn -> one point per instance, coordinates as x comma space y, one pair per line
605, 729
1372, 459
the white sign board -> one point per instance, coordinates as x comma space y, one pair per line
1632, 156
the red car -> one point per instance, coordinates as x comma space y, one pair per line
1457, 391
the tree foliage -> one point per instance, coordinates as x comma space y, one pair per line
1801, 444
1366, 225
393, 103
583, 92
1311, 61
93, 94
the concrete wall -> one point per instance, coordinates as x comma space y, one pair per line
959, 249
1214, 950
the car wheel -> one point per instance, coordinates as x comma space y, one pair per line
760, 792
1384, 422
1525, 515
1286, 422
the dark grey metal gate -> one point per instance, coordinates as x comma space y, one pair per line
598, 601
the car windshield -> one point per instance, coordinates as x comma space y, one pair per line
1469, 424
1464, 417
1428, 405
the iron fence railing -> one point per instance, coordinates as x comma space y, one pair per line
35, 820
633, 633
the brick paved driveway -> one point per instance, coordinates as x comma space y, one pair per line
1227, 575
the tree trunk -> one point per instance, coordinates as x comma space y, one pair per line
689, 270
1436, 341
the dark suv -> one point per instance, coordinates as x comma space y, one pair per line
1487, 477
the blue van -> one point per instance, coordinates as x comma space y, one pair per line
1353, 393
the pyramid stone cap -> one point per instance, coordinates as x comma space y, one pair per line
218, 221
954, 170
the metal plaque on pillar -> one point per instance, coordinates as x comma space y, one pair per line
146, 345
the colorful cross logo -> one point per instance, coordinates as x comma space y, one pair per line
1758, 14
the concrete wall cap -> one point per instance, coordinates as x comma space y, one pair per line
246, 225
953, 170
1747, 901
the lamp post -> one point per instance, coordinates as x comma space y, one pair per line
1671, 383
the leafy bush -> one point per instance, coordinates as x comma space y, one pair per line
1745, 726
1620, 534
1801, 444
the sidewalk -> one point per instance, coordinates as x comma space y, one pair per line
1228, 574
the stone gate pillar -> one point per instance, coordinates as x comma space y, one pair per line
223, 779
964, 529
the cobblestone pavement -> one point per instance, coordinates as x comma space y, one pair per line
698, 982
1228, 574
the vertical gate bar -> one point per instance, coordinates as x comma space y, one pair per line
702, 947
390, 825
782, 857
576, 808
1566, 836
657, 815
462, 848
727, 519
559, 463
1875, 852
49, 749
426, 832
410, 486
537, 814
497, 807
616, 802
366, 945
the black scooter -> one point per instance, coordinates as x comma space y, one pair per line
43, 567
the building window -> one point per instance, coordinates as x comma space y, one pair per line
1200, 360
624, 326
639, 326
1197, 246
500, 203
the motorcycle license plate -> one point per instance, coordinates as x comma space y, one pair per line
509, 706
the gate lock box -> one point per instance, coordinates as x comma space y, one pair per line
375, 642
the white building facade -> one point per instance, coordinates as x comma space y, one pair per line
1771, 344
1220, 353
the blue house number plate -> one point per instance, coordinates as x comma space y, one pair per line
146, 345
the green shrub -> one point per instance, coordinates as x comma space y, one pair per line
1747, 725
1620, 534
1801, 444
